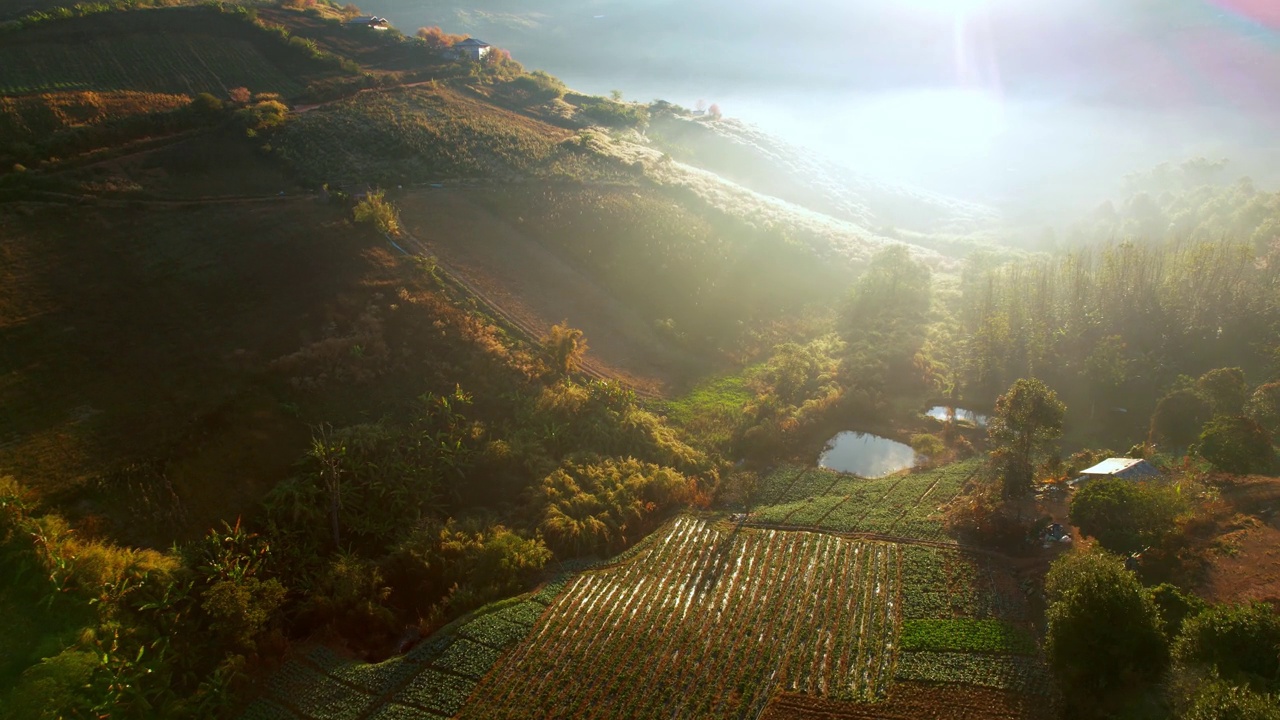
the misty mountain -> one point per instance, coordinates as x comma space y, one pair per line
1033, 101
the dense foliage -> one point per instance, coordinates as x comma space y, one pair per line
1026, 422
1104, 636
1125, 516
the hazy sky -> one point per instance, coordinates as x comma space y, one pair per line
987, 99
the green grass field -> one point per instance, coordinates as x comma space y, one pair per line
905, 505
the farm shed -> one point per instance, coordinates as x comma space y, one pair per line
1124, 468
370, 21
472, 48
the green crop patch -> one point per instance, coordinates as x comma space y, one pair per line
907, 505
1019, 673
965, 635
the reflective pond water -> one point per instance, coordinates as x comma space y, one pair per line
866, 455
939, 413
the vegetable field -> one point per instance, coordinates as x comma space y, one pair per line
708, 623
900, 505
965, 620
156, 62
943, 583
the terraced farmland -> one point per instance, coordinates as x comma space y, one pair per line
708, 623
177, 63
899, 505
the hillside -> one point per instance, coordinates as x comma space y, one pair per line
346, 375
790, 623
168, 50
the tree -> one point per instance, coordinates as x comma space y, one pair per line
713, 112
1179, 417
1224, 389
1237, 445
1239, 643
566, 346
1104, 635
1027, 419
1123, 515
616, 95
437, 39
1264, 407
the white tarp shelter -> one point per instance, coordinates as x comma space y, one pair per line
1124, 468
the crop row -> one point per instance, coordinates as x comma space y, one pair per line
1024, 674
708, 624
159, 62
901, 505
965, 635
940, 583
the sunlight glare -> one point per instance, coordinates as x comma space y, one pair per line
945, 7
942, 122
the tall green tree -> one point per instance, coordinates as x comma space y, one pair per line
1224, 389
1264, 407
1237, 445
1104, 632
1179, 418
1026, 422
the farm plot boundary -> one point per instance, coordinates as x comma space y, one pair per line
708, 623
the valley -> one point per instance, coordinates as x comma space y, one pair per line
348, 376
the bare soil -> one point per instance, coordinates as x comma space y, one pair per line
1243, 560
537, 287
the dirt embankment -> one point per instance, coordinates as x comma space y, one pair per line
1243, 561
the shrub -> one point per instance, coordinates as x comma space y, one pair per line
1123, 515
615, 114
1218, 700
374, 208
1240, 643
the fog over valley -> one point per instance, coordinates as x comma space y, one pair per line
1004, 101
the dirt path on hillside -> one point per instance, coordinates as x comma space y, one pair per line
533, 284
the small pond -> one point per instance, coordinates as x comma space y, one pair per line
939, 413
866, 455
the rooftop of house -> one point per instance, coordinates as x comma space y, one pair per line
472, 42
1112, 466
